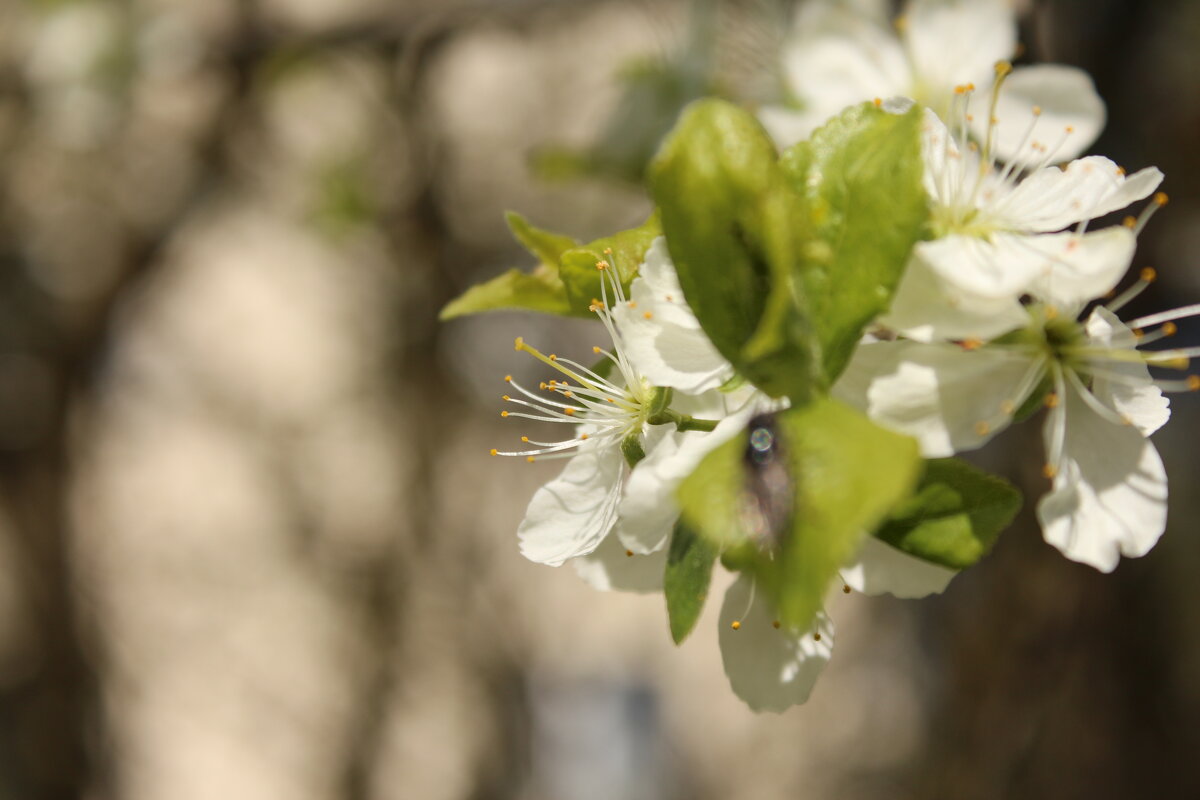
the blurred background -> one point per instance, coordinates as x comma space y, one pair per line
251, 543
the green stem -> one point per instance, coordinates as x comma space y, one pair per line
683, 422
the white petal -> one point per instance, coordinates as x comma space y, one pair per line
1110, 494
1077, 269
1135, 397
948, 398
770, 669
1067, 99
1051, 199
572, 514
997, 268
880, 568
957, 42
661, 335
610, 568
649, 511
926, 308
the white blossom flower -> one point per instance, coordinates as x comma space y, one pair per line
1003, 232
839, 58
1109, 488
572, 515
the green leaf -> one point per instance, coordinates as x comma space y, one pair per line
954, 517
685, 582
846, 473
548, 247
540, 290
865, 208
578, 265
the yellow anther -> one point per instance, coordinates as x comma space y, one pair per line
504, 413
1070, 129
669, 298
505, 398
845, 588
525, 439
1169, 329
982, 428
1148, 274
494, 451
1129, 222
1049, 471
568, 394
519, 344
1003, 68
601, 265
570, 412
1051, 400
736, 624
960, 89
1138, 333
1193, 383
648, 315
1181, 362
878, 101
508, 378
608, 251
970, 87
530, 459
971, 344
1037, 111
816, 636
543, 385
775, 624
597, 350
583, 436
629, 554
1161, 199
552, 357
1120, 170
971, 118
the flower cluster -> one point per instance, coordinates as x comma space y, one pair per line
1002, 300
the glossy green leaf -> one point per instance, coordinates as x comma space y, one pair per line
732, 221
547, 246
846, 472
865, 208
577, 266
539, 290
688, 573
954, 517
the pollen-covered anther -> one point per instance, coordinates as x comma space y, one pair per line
1121, 170
519, 343
1161, 199
1138, 333
845, 588
971, 344
494, 451
878, 101
1129, 222
647, 315
816, 636
736, 624
583, 437
1069, 129
608, 251
631, 304
601, 265
1051, 400
1037, 111
775, 624
629, 554
531, 459
597, 349
505, 398
1003, 68
525, 439
982, 428
1148, 274
1049, 471
570, 412
1193, 383
1169, 329
508, 378
552, 357
504, 413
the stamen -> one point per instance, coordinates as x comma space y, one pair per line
1145, 278
1182, 312
1160, 199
